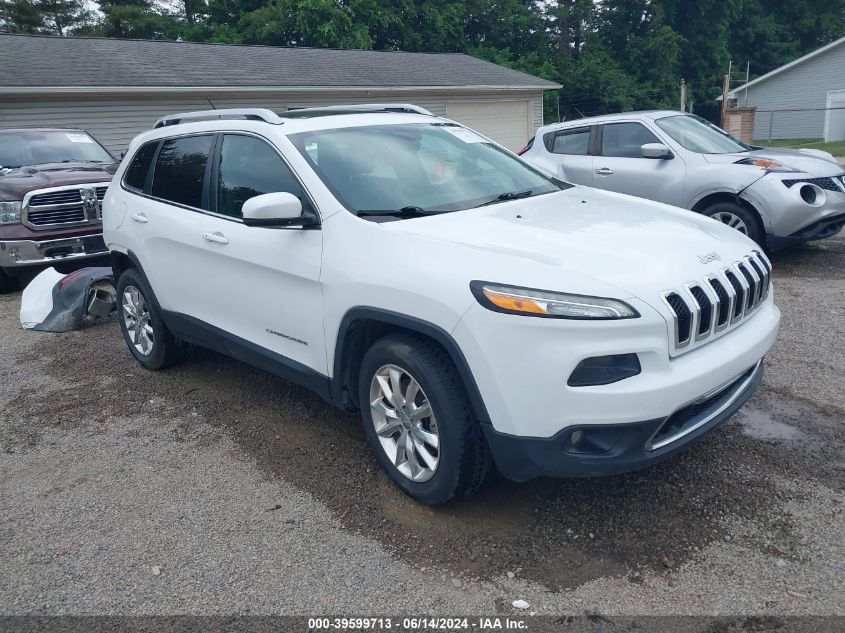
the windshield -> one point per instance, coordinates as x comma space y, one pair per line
36, 147
428, 168
698, 135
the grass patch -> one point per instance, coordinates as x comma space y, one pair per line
837, 148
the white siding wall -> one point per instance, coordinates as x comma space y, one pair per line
115, 120
803, 86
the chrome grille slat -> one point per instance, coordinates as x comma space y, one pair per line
706, 309
56, 197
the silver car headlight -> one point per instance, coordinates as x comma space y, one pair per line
10, 212
555, 305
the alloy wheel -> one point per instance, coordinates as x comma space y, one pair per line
136, 317
732, 220
404, 423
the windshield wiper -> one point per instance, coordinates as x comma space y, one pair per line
404, 212
509, 195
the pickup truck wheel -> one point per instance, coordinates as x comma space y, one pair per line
145, 333
419, 420
738, 217
7, 283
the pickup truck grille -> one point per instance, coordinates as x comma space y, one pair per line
719, 302
63, 205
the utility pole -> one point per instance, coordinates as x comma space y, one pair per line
726, 84
683, 95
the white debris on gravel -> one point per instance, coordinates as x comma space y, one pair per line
520, 604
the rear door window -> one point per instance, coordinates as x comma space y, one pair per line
180, 170
250, 167
625, 139
575, 141
136, 174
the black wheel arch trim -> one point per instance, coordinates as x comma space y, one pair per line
413, 324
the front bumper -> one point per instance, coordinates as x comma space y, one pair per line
613, 449
22, 253
787, 217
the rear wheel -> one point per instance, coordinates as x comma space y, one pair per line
738, 217
419, 421
144, 331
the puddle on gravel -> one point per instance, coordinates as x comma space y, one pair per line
761, 425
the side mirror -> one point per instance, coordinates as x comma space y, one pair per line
274, 209
655, 150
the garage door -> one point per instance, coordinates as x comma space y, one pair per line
509, 123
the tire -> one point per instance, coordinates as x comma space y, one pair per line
8, 283
461, 458
738, 217
155, 347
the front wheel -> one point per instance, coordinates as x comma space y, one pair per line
738, 217
144, 331
419, 421
7, 282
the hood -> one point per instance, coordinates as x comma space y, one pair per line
638, 246
15, 183
807, 161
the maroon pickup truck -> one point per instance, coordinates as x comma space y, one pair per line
52, 182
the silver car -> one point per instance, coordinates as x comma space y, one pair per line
775, 196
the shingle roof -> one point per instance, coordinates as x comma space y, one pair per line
45, 61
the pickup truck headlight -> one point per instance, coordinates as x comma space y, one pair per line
555, 305
10, 212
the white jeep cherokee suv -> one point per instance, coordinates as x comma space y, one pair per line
476, 311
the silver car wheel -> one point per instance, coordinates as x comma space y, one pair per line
732, 220
404, 423
136, 317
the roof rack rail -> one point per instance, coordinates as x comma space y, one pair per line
372, 107
251, 114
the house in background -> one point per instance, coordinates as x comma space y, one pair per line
804, 99
117, 88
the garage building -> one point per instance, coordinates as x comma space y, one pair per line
117, 88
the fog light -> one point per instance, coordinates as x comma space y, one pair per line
808, 194
576, 438
603, 370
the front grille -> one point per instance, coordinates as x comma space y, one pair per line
822, 183
721, 301
64, 205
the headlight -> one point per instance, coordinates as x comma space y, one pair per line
556, 305
10, 212
765, 163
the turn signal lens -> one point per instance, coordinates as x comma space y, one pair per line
530, 302
513, 303
765, 163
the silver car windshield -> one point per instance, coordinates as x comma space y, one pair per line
698, 135
417, 169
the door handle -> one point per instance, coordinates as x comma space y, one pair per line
604, 171
140, 218
215, 238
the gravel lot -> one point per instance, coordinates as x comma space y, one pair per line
215, 488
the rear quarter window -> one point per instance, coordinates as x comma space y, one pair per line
136, 174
